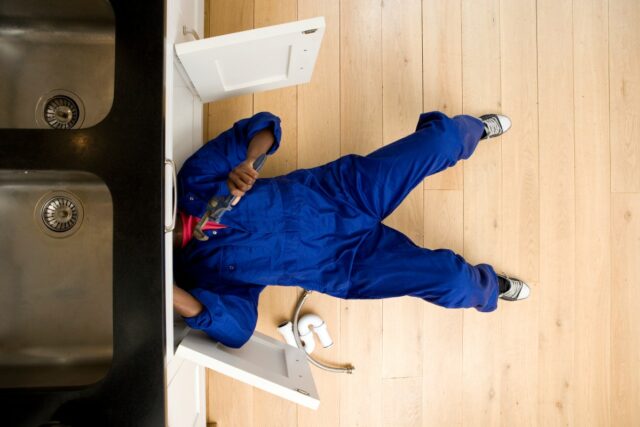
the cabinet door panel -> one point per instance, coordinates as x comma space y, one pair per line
262, 362
251, 61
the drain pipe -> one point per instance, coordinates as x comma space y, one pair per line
296, 335
309, 321
308, 325
286, 330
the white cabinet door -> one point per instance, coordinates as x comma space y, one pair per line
187, 395
262, 362
251, 61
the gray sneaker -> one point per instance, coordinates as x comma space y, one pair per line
518, 290
494, 125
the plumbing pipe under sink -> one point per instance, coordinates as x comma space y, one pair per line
307, 326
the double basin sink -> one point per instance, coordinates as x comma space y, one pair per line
56, 229
82, 307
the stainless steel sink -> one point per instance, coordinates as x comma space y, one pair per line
57, 62
56, 311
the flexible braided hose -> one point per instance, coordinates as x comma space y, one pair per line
296, 334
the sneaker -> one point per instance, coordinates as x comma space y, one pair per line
494, 125
517, 290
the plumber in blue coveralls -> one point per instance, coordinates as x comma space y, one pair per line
321, 228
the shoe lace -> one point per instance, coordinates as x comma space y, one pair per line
514, 289
492, 126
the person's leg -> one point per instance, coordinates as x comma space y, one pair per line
377, 183
388, 264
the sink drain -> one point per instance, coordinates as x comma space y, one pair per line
59, 214
59, 109
61, 112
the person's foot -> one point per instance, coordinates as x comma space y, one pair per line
512, 289
494, 125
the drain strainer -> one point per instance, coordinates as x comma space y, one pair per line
59, 109
59, 214
61, 112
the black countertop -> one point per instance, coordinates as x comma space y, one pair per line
126, 150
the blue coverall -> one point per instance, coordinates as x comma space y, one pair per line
321, 228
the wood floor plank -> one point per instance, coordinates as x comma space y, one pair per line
442, 328
624, 92
557, 213
270, 410
327, 383
361, 132
520, 212
401, 107
520, 182
482, 208
360, 76
319, 100
221, 115
228, 399
277, 302
405, 411
281, 102
401, 69
319, 143
481, 63
593, 213
402, 98
402, 338
442, 73
361, 392
625, 320
230, 16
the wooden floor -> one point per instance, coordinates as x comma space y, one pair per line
555, 201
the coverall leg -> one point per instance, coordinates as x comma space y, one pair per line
387, 263
379, 182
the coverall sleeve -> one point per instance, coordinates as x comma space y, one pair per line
228, 317
205, 173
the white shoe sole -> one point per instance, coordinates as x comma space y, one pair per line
524, 292
505, 122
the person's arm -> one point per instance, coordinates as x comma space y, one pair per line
260, 144
227, 315
243, 176
206, 173
185, 304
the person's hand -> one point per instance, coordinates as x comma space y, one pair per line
242, 178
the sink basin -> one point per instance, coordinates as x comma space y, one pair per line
56, 310
57, 62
